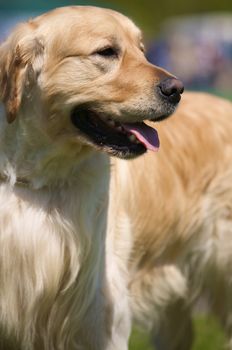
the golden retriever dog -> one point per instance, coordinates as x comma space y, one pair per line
75, 87
172, 216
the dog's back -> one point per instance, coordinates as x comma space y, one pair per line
178, 205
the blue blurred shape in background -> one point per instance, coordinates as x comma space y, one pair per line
198, 49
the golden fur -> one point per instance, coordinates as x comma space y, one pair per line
174, 209
61, 284
65, 284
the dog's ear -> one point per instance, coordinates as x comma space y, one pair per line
20, 63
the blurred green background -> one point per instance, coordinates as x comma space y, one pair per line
192, 39
149, 14
208, 336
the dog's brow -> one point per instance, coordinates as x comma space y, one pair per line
112, 39
108, 41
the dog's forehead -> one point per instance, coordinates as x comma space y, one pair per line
87, 21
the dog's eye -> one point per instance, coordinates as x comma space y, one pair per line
107, 52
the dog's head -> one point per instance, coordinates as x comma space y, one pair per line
80, 73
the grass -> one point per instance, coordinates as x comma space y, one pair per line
208, 336
139, 341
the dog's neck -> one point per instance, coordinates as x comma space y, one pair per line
29, 158
60, 201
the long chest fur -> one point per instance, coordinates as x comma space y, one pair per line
51, 262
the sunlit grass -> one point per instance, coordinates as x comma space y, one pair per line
208, 336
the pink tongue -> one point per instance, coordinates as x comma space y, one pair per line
145, 134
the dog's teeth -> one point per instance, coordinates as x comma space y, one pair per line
132, 138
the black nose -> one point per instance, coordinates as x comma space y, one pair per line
171, 88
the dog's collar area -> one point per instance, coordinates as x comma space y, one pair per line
110, 135
19, 181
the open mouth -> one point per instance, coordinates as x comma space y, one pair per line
124, 140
